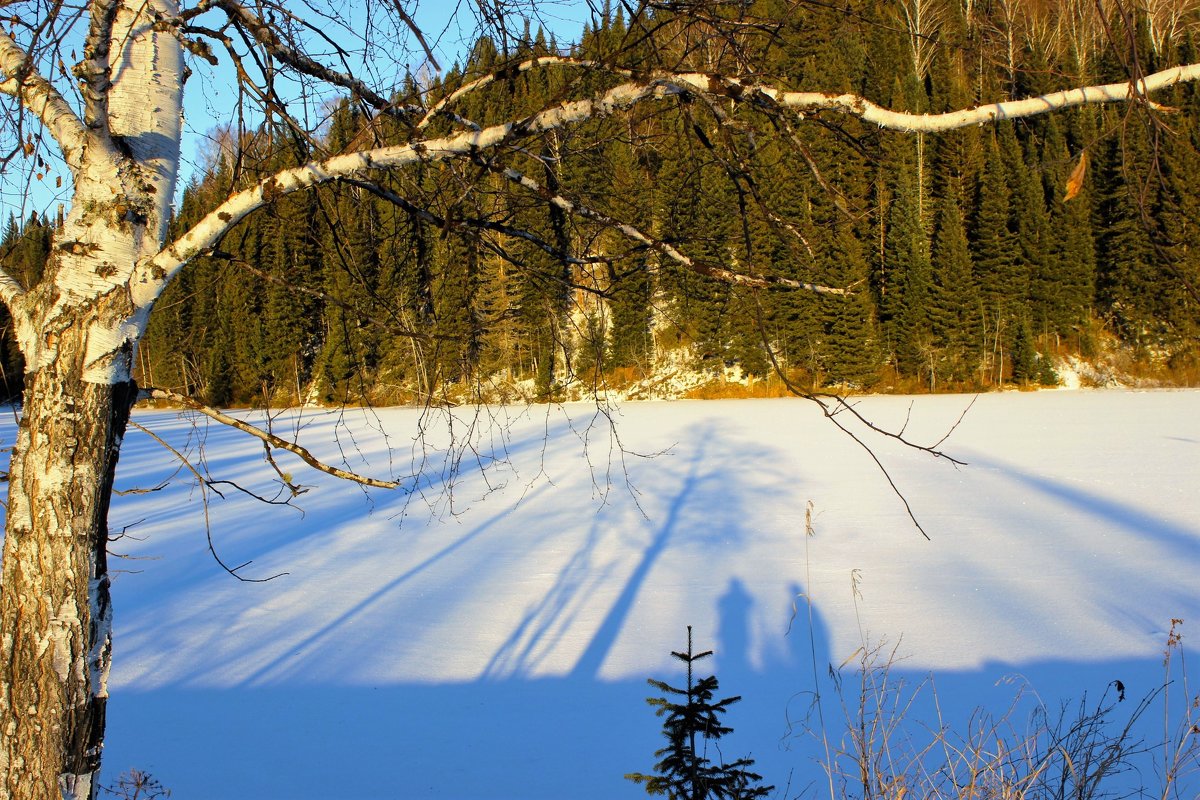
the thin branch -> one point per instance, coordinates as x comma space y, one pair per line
268, 438
840, 404
205, 484
665, 248
265, 95
266, 36
510, 72
466, 223
452, 222
19, 79
284, 478
831, 416
325, 297
270, 501
398, 7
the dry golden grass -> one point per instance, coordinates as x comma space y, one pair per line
733, 390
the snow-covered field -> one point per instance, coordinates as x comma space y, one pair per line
492, 638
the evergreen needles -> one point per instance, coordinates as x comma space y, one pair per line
685, 772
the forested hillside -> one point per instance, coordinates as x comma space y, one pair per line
966, 259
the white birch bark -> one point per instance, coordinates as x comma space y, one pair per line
77, 329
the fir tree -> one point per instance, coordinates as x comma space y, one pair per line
630, 314
1062, 291
406, 290
457, 323
352, 252
994, 246
1027, 211
954, 310
685, 772
907, 257
1024, 354
853, 355
1129, 274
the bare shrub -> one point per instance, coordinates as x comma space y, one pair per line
1082, 750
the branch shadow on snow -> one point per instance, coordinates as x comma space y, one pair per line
504, 652
574, 586
556, 637
550, 736
1079, 532
245, 529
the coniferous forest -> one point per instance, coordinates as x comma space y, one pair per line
970, 259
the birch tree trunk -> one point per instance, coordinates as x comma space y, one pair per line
77, 330
55, 610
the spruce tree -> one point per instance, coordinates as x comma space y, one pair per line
1024, 354
456, 325
349, 350
954, 310
994, 246
692, 199
1129, 276
1176, 306
852, 350
907, 259
692, 718
406, 290
545, 295
1062, 292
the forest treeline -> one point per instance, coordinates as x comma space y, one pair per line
968, 258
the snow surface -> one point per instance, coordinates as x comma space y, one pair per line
491, 638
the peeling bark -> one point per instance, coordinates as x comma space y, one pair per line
77, 330
54, 608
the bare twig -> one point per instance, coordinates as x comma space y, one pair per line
205, 484
839, 404
268, 438
713, 271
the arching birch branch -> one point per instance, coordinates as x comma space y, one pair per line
867, 111
854, 105
269, 439
19, 79
152, 275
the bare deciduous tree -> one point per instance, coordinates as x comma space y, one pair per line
101, 83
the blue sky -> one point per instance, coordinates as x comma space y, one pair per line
210, 94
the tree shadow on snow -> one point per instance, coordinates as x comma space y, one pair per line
506, 656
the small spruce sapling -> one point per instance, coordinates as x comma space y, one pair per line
685, 773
